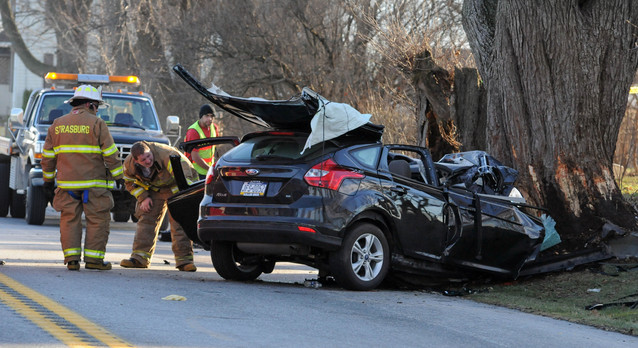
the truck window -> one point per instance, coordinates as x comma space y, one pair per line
52, 107
130, 111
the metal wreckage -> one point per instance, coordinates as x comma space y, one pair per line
460, 217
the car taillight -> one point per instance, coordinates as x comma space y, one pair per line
210, 174
214, 211
329, 175
233, 171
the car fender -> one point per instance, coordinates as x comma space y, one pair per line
35, 176
377, 217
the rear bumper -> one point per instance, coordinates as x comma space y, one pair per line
264, 232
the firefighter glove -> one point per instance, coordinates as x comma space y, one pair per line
119, 184
49, 190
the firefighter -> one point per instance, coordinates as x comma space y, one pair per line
148, 175
204, 157
81, 148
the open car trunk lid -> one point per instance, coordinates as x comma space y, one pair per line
293, 114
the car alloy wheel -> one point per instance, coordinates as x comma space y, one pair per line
367, 257
363, 260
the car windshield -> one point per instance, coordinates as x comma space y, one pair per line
119, 110
272, 148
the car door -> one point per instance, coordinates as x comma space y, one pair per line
421, 224
184, 205
497, 236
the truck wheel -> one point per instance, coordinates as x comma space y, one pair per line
4, 188
227, 262
165, 224
363, 260
121, 216
165, 230
36, 205
17, 205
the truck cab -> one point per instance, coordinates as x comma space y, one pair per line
130, 115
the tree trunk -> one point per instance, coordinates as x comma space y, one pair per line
558, 74
470, 114
451, 112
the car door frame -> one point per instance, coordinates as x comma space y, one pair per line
421, 204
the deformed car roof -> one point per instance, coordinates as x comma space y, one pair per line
292, 114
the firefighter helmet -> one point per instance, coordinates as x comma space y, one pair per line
87, 92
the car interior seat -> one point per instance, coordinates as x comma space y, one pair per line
400, 167
286, 149
55, 113
124, 118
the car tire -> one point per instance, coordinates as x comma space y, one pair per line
268, 267
5, 173
165, 236
121, 216
225, 257
36, 205
17, 205
363, 260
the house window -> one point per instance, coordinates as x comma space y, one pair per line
5, 65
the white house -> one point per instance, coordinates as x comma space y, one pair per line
16, 80
5, 75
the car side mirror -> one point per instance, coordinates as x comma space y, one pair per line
16, 118
173, 129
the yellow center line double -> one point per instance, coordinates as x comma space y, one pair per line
67, 326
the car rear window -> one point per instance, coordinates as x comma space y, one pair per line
276, 148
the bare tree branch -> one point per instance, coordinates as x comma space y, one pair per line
11, 30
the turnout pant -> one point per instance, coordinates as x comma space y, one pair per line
96, 204
148, 227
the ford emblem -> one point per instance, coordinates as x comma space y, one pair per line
252, 171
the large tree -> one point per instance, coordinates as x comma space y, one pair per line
557, 75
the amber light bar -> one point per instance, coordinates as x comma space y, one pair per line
126, 79
52, 77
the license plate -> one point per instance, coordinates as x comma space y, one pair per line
253, 189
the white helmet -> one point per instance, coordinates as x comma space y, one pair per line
87, 92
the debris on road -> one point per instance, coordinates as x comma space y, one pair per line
174, 298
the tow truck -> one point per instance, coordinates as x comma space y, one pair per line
129, 114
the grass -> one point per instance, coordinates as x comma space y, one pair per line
565, 295
629, 189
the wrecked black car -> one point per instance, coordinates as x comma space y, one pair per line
319, 187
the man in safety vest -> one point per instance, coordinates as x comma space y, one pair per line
204, 157
81, 148
148, 174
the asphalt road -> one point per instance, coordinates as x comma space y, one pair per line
43, 304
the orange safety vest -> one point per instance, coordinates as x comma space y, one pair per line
206, 153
